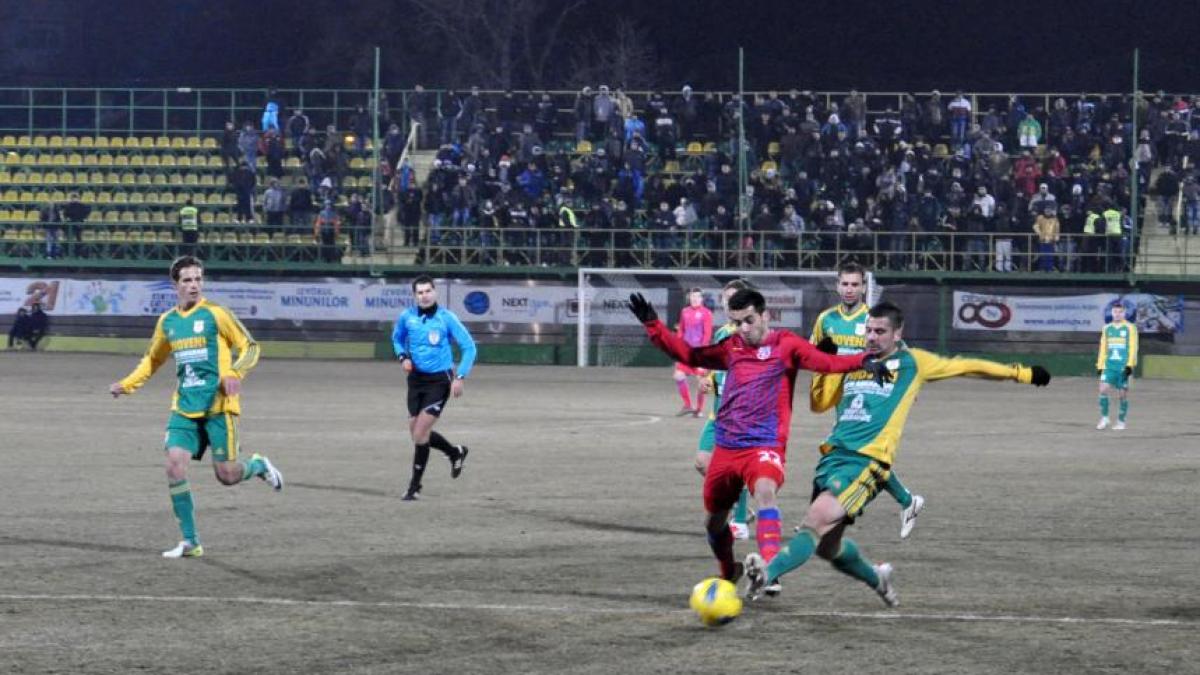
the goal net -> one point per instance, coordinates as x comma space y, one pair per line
610, 336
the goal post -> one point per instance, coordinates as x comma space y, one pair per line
608, 335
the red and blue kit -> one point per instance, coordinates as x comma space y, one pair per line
756, 405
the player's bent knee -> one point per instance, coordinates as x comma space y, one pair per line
228, 473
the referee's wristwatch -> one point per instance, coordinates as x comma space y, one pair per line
460, 377
402, 358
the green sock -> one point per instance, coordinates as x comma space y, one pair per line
850, 561
1123, 408
794, 554
1104, 406
897, 490
184, 507
739, 511
255, 467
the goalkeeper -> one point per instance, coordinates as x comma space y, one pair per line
857, 457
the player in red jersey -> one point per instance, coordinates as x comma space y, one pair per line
695, 327
755, 415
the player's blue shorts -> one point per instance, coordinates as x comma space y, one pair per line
1115, 378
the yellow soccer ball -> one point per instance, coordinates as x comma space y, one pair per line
716, 601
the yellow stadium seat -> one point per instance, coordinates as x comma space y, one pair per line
178, 142
209, 143
75, 159
34, 178
143, 217
183, 160
121, 160
29, 159
215, 162
162, 142
206, 218
159, 179
292, 162
87, 197
127, 216
584, 147
710, 147
117, 142
118, 235
137, 160
56, 141
769, 166
66, 178
152, 160
107, 160
190, 179
26, 196
104, 197
112, 216
40, 141
87, 142
112, 178
71, 141
50, 178
120, 197
11, 195
207, 180
32, 215
58, 196
167, 160
9, 141
91, 160
137, 198
128, 179
228, 199
5, 177
167, 197
4, 216
101, 142
671, 166
45, 160
24, 142
41, 196
357, 163
81, 178
147, 142
223, 217
143, 179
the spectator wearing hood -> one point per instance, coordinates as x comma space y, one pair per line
326, 229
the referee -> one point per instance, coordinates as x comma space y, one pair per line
421, 340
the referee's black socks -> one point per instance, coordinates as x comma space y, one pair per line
439, 441
420, 459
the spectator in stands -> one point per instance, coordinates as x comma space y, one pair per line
75, 212
297, 124
19, 332
272, 149
230, 151
393, 145
358, 217
189, 228
1047, 227
472, 111
1191, 204
975, 225
1166, 189
248, 145
326, 229
934, 117
360, 124
270, 117
959, 110
1029, 132
300, 206
410, 213
418, 114
243, 183
275, 205
546, 118
51, 218
584, 114
604, 109
450, 114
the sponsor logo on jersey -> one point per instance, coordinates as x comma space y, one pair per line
434, 337
198, 326
860, 329
764, 353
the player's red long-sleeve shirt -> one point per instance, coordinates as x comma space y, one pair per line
756, 399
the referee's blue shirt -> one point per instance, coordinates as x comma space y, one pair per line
425, 338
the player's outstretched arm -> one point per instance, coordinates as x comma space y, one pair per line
933, 367
156, 354
710, 356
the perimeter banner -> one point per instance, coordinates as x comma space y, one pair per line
1073, 313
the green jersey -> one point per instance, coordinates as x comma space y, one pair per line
1118, 347
848, 330
202, 341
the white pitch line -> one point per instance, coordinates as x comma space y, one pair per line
562, 609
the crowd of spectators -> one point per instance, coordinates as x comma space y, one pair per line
1011, 186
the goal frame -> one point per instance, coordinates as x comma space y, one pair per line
581, 339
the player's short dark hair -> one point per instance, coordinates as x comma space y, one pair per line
748, 297
887, 309
183, 261
694, 289
852, 267
738, 285
423, 279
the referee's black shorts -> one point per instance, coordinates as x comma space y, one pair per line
428, 392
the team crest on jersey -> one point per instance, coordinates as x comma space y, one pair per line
434, 337
860, 329
198, 326
764, 353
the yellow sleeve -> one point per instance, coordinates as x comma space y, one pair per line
825, 392
1133, 346
156, 354
239, 340
931, 368
1103, 349
818, 330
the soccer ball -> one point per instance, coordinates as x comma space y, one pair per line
716, 601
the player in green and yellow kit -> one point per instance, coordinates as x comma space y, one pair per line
203, 338
1115, 363
845, 326
858, 455
739, 524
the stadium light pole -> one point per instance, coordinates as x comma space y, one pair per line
741, 150
375, 193
1133, 175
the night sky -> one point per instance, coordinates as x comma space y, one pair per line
913, 45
